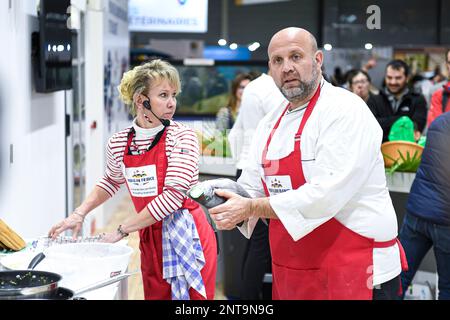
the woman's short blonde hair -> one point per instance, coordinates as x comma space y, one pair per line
140, 79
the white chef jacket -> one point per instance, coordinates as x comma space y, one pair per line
260, 96
344, 172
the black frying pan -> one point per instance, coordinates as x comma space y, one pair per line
28, 282
59, 293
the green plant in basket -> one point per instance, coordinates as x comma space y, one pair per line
404, 164
216, 145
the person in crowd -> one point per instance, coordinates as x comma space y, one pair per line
157, 158
317, 172
370, 64
438, 76
226, 115
260, 96
192, 87
427, 220
440, 101
359, 83
338, 77
396, 100
216, 83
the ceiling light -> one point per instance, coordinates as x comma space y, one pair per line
254, 46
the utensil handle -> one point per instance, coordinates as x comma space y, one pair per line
36, 260
104, 283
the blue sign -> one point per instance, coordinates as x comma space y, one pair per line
225, 53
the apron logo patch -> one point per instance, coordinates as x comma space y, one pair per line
184, 150
140, 177
142, 181
278, 184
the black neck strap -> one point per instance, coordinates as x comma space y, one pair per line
154, 142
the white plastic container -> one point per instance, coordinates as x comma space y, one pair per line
82, 264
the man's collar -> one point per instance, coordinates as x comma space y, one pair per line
390, 95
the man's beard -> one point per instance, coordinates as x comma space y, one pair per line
304, 89
396, 89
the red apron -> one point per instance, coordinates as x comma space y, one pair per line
155, 287
332, 261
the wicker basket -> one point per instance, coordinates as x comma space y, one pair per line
392, 148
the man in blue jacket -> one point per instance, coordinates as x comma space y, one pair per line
427, 221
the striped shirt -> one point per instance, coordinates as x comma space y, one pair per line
182, 153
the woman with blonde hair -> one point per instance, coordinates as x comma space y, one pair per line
157, 158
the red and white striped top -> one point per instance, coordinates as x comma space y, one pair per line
182, 153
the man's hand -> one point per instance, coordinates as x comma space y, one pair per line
233, 211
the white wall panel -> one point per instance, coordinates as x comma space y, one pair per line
32, 193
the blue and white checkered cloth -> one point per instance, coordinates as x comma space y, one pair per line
183, 257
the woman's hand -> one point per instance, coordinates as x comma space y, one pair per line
111, 237
73, 222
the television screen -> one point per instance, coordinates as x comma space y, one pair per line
205, 89
52, 47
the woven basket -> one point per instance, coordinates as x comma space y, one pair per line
391, 150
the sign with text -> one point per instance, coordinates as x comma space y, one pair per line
168, 15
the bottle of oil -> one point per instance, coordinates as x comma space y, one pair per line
204, 194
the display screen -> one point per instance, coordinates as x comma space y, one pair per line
56, 37
53, 60
205, 89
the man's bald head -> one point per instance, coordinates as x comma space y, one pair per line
295, 64
291, 34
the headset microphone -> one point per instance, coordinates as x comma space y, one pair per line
147, 106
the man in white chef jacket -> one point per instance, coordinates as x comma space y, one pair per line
317, 172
